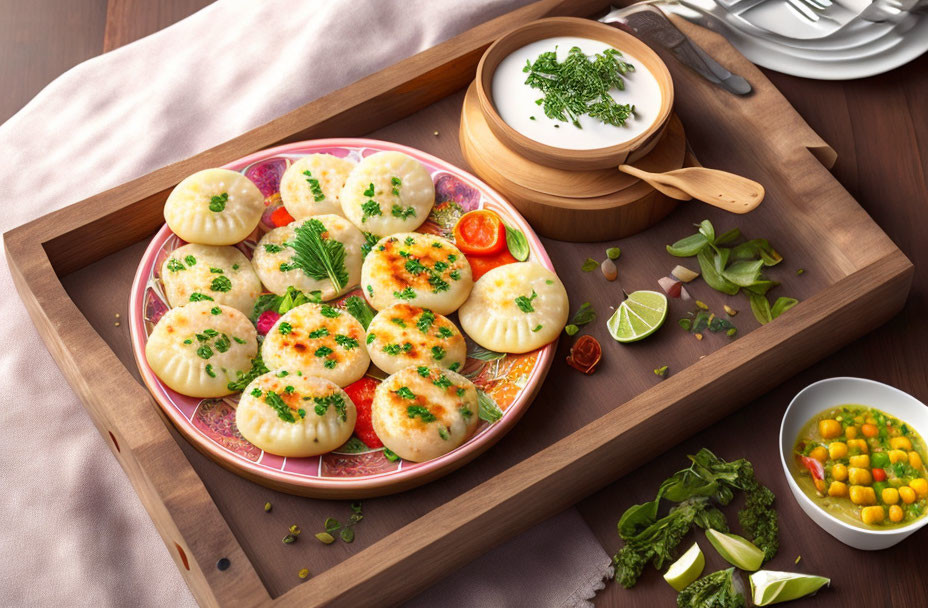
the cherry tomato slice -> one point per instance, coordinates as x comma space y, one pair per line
281, 217
480, 232
480, 265
362, 395
879, 475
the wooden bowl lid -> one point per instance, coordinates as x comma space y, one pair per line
666, 155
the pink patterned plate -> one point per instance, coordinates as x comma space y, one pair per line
354, 470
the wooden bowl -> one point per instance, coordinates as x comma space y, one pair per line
585, 160
617, 207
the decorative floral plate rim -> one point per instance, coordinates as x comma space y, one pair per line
272, 468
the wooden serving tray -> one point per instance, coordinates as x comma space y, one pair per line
73, 269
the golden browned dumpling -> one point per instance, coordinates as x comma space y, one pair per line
423, 412
403, 335
289, 414
420, 269
318, 340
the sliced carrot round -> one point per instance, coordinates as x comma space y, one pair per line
480, 265
480, 232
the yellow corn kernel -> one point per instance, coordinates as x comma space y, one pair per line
858, 444
920, 486
872, 515
839, 472
871, 420
851, 432
898, 456
829, 429
837, 449
895, 514
862, 495
915, 460
900, 443
819, 453
862, 461
837, 488
890, 496
907, 495
859, 477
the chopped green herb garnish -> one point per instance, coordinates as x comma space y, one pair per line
200, 297
423, 413
218, 203
215, 310
330, 311
318, 254
424, 324
392, 349
215, 270
407, 294
221, 283
284, 328
423, 371
209, 371
346, 342
396, 185
323, 351
314, 186
174, 265
370, 338
580, 85
204, 352
398, 321
398, 211
405, 393
272, 248
442, 381
525, 303
455, 366
329, 363
443, 433
277, 404
190, 261
237, 339
445, 332
256, 392
438, 353
319, 333
537, 327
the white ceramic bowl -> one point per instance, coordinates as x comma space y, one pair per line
825, 394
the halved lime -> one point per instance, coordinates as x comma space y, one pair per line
639, 316
686, 569
736, 550
769, 587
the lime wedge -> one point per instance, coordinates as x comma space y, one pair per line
639, 316
736, 550
769, 587
686, 569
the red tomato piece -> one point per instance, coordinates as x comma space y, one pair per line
362, 395
281, 217
879, 475
480, 232
480, 265
815, 467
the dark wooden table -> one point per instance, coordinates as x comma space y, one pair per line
879, 127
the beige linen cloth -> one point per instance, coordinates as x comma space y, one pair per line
72, 531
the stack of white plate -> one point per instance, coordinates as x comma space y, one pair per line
821, 39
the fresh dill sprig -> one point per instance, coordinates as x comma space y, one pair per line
320, 257
580, 85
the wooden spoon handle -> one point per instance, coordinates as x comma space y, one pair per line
725, 190
657, 184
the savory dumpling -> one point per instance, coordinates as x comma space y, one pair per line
214, 207
294, 415
318, 340
321, 253
199, 348
422, 412
403, 335
312, 185
195, 273
420, 269
388, 192
515, 308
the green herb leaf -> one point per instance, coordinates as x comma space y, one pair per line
218, 203
707, 230
743, 274
711, 275
782, 305
760, 306
392, 457
688, 247
319, 257
589, 265
728, 237
525, 303
585, 314
358, 308
517, 243
613, 253
487, 408
757, 248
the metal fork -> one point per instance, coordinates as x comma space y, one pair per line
816, 10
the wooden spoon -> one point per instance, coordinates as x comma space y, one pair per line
719, 188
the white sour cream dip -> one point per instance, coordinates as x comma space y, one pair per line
515, 100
